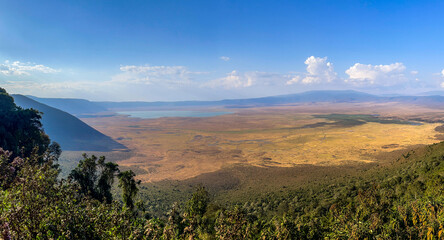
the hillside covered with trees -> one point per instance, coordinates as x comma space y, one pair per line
400, 200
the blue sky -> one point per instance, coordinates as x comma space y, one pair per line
183, 50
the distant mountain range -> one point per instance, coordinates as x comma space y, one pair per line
432, 93
80, 107
70, 132
311, 96
71, 105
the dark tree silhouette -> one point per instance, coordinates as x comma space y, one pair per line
129, 187
106, 179
95, 177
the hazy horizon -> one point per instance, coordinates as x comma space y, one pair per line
200, 50
428, 93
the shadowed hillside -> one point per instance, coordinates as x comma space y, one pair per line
70, 132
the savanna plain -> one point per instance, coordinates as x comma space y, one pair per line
252, 153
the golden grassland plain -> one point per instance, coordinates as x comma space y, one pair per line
280, 136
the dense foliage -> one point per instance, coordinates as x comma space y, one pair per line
37, 205
401, 200
20, 129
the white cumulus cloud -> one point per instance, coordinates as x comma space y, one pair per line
442, 75
233, 79
146, 74
319, 70
237, 80
17, 68
362, 74
225, 58
293, 80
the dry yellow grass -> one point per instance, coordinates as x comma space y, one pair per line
180, 148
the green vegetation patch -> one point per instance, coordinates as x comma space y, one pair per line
440, 129
351, 120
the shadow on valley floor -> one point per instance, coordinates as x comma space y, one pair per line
238, 184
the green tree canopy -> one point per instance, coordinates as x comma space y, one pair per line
95, 177
129, 187
20, 129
